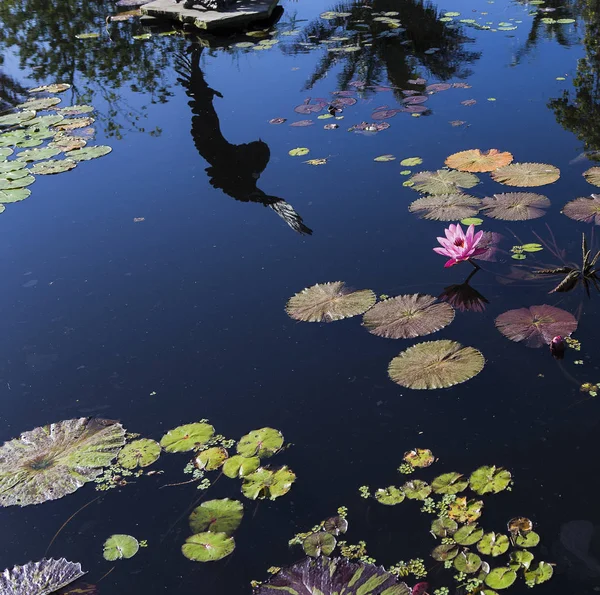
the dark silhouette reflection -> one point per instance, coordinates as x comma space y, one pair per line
578, 110
463, 297
11, 92
234, 169
421, 44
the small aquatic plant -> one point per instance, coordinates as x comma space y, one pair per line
459, 246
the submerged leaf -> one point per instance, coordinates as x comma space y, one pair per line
39, 578
435, 364
526, 174
536, 326
217, 516
208, 547
445, 207
475, 160
326, 302
408, 316
515, 206
584, 209
119, 547
443, 181
52, 461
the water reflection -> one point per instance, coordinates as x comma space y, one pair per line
420, 46
234, 169
463, 297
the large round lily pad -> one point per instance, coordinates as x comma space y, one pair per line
446, 207
16, 118
537, 325
449, 483
319, 543
262, 443
501, 578
489, 479
89, 152
515, 206
592, 175
10, 167
435, 364
333, 575
442, 181
52, 166
208, 547
326, 302
120, 547
187, 437
4, 153
408, 316
39, 578
475, 160
139, 453
52, 461
239, 466
266, 483
584, 209
16, 195
526, 174
217, 516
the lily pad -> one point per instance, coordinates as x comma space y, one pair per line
18, 182
445, 551
584, 209
540, 574
38, 154
239, 466
52, 88
467, 562
493, 544
74, 123
501, 578
475, 160
468, 535
211, 458
52, 461
66, 142
8, 196
435, 364
45, 121
335, 525
444, 527
515, 206
39, 578
4, 153
76, 110
52, 166
536, 326
520, 524
187, 437
520, 559
384, 158
208, 547
16, 118
217, 516
411, 162
120, 547
530, 539
262, 443
416, 489
265, 483
88, 153
390, 496
463, 511
41, 104
489, 480
326, 576
592, 175
449, 483
419, 457
443, 181
445, 207
319, 543
526, 174
326, 302
139, 453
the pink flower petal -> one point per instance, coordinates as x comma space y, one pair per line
450, 263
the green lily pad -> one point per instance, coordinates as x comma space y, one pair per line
416, 489
383, 158
411, 161
390, 495
443, 181
217, 516
262, 443
265, 483
540, 574
449, 483
52, 88
15, 173
530, 539
444, 527
211, 458
119, 547
88, 153
40, 104
187, 437
521, 559
39, 578
489, 480
16, 118
7, 167
419, 457
52, 166
75, 110
319, 543
18, 182
239, 466
7, 196
501, 578
493, 544
472, 221
468, 535
532, 247
38, 154
139, 453
45, 121
463, 511
87, 36
445, 551
39, 133
208, 547
299, 152
467, 562
4, 153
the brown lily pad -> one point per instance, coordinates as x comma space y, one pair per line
515, 206
475, 160
584, 209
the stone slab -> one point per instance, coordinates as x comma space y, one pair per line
236, 17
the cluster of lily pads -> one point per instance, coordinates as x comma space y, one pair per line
32, 144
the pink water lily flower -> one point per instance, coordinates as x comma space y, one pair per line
459, 246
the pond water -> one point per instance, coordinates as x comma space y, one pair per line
149, 286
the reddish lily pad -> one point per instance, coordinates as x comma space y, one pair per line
584, 209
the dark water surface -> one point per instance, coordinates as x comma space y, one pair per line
181, 316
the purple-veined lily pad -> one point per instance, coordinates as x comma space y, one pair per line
515, 206
327, 576
436, 87
308, 108
584, 209
384, 114
408, 316
536, 326
302, 123
39, 578
415, 99
414, 109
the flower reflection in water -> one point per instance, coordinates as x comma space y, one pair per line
463, 297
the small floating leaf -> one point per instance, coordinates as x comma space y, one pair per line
239, 466
74, 123
335, 525
119, 547
208, 547
75, 110
411, 161
211, 458
419, 457
472, 221
520, 559
319, 543
489, 480
592, 175
18, 182
515, 206
39, 578
532, 247
530, 539
475, 160
52, 166
501, 578
493, 544
389, 496
520, 524
467, 562
464, 511
526, 174
445, 551
416, 489
217, 516
449, 483
262, 443
584, 209
299, 152
443, 181
468, 535
540, 574
88, 153
52, 88
384, 158
187, 437
139, 453
4, 153
444, 526
265, 483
